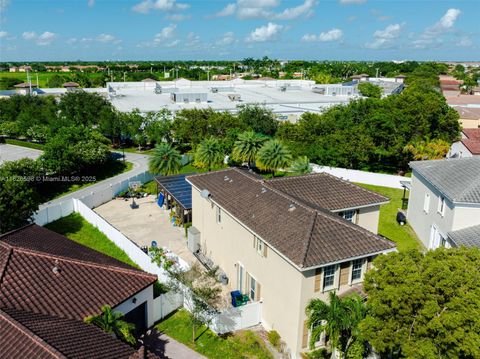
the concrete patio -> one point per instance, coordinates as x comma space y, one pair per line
145, 224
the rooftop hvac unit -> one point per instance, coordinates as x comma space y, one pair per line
283, 88
234, 97
214, 89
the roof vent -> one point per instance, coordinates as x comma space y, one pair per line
56, 269
292, 207
231, 181
226, 178
264, 190
205, 194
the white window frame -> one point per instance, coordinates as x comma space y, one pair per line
353, 214
218, 214
240, 277
250, 289
324, 272
426, 203
362, 271
259, 246
321, 340
441, 205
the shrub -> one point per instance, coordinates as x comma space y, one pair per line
274, 338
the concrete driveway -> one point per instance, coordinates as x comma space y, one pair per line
14, 153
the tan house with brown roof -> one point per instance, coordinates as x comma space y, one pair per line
285, 241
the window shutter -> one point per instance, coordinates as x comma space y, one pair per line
264, 250
318, 279
369, 263
305, 335
357, 216
344, 273
247, 279
258, 291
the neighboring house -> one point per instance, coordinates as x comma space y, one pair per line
444, 200
285, 241
468, 146
468, 108
49, 284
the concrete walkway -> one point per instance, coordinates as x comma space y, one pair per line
15, 153
167, 347
140, 164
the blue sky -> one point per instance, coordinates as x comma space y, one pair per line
235, 29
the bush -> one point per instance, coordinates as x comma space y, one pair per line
316, 354
274, 338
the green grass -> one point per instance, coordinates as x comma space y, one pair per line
240, 345
43, 77
79, 230
36, 146
403, 236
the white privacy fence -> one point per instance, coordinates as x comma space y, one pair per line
94, 198
377, 179
232, 319
166, 303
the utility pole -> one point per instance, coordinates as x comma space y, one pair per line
29, 81
124, 76
377, 72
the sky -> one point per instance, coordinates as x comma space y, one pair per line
70, 30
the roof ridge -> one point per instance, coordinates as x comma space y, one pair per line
16, 230
82, 262
210, 172
309, 241
31, 335
471, 186
5, 264
287, 196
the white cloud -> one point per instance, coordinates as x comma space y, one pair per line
192, 39
386, 37
4, 4
166, 33
46, 38
227, 10
72, 40
3, 34
432, 35
227, 39
292, 13
177, 17
264, 9
465, 42
91, 3
105, 38
327, 36
354, 2
29, 35
173, 43
265, 33
146, 6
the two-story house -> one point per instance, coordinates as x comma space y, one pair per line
444, 203
285, 241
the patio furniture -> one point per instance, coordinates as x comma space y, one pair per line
238, 299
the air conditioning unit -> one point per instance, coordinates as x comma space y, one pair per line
193, 240
222, 278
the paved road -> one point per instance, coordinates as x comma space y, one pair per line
168, 348
140, 164
14, 153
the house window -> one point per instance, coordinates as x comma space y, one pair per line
441, 205
253, 287
357, 265
328, 277
219, 215
426, 203
259, 246
348, 215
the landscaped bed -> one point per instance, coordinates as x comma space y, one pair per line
243, 344
388, 227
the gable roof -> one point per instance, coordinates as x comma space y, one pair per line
457, 179
306, 236
472, 140
86, 280
32, 335
468, 237
327, 191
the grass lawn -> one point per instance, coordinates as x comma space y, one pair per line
242, 345
79, 230
36, 146
43, 77
404, 236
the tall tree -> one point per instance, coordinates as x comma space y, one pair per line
428, 150
301, 166
165, 160
258, 118
112, 322
424, 305
209, 153
368, 89
246, 147
273, 155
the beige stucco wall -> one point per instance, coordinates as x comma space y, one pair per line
468, 123
466, 216
285, 291
368, 218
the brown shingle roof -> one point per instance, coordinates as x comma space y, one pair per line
326, 191
61, 337
305, 235
80, 288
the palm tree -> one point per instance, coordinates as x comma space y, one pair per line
301, 166
165, 160
209, 153
111, 322
272, 156
246, 147
425, 150
339, 319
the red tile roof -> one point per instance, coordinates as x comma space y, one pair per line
472, 133
472, 142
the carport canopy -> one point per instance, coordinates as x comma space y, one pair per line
178, 188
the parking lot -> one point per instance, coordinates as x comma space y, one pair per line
13, 153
